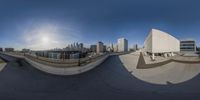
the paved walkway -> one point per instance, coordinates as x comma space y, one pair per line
2, 64
168, 72
109, 81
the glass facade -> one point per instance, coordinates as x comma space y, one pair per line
188, 45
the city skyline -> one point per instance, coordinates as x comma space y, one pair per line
48, 25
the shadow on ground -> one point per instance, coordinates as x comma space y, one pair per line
109, 81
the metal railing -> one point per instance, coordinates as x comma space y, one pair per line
63, 62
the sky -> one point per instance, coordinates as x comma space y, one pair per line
46, 24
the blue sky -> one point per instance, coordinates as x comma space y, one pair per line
42, 24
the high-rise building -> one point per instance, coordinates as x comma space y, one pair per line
81, 45
104, 48
100, 47
93, 48
135, 47
75, 47
9, 49
110, 48
115, 48
1, 49
122, 45
188, 45
25, 50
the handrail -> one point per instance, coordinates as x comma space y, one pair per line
60, 62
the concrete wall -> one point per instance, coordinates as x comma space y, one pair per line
65, 70
148, 43
161, 42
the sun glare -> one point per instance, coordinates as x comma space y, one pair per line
45, 40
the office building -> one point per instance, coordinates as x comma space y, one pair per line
100, 48
104, 48
135, 47
110, 48
1, 49
75, 47
198, 48
115, 48
93, 48
9, 49
159, 42
61, 54
26, 50
188, 46
81, 45
122, 45
54, 55
72, 51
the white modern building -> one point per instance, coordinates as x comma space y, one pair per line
135, 47
115, 48
122, 45
159, 42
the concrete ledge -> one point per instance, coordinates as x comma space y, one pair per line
62, 71
2, 65
66, 71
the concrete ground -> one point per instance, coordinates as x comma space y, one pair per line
109, 81
2, 64
171, 73
158, 59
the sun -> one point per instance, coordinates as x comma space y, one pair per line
45, 40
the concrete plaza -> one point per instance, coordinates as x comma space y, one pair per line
109, 81
162, 71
